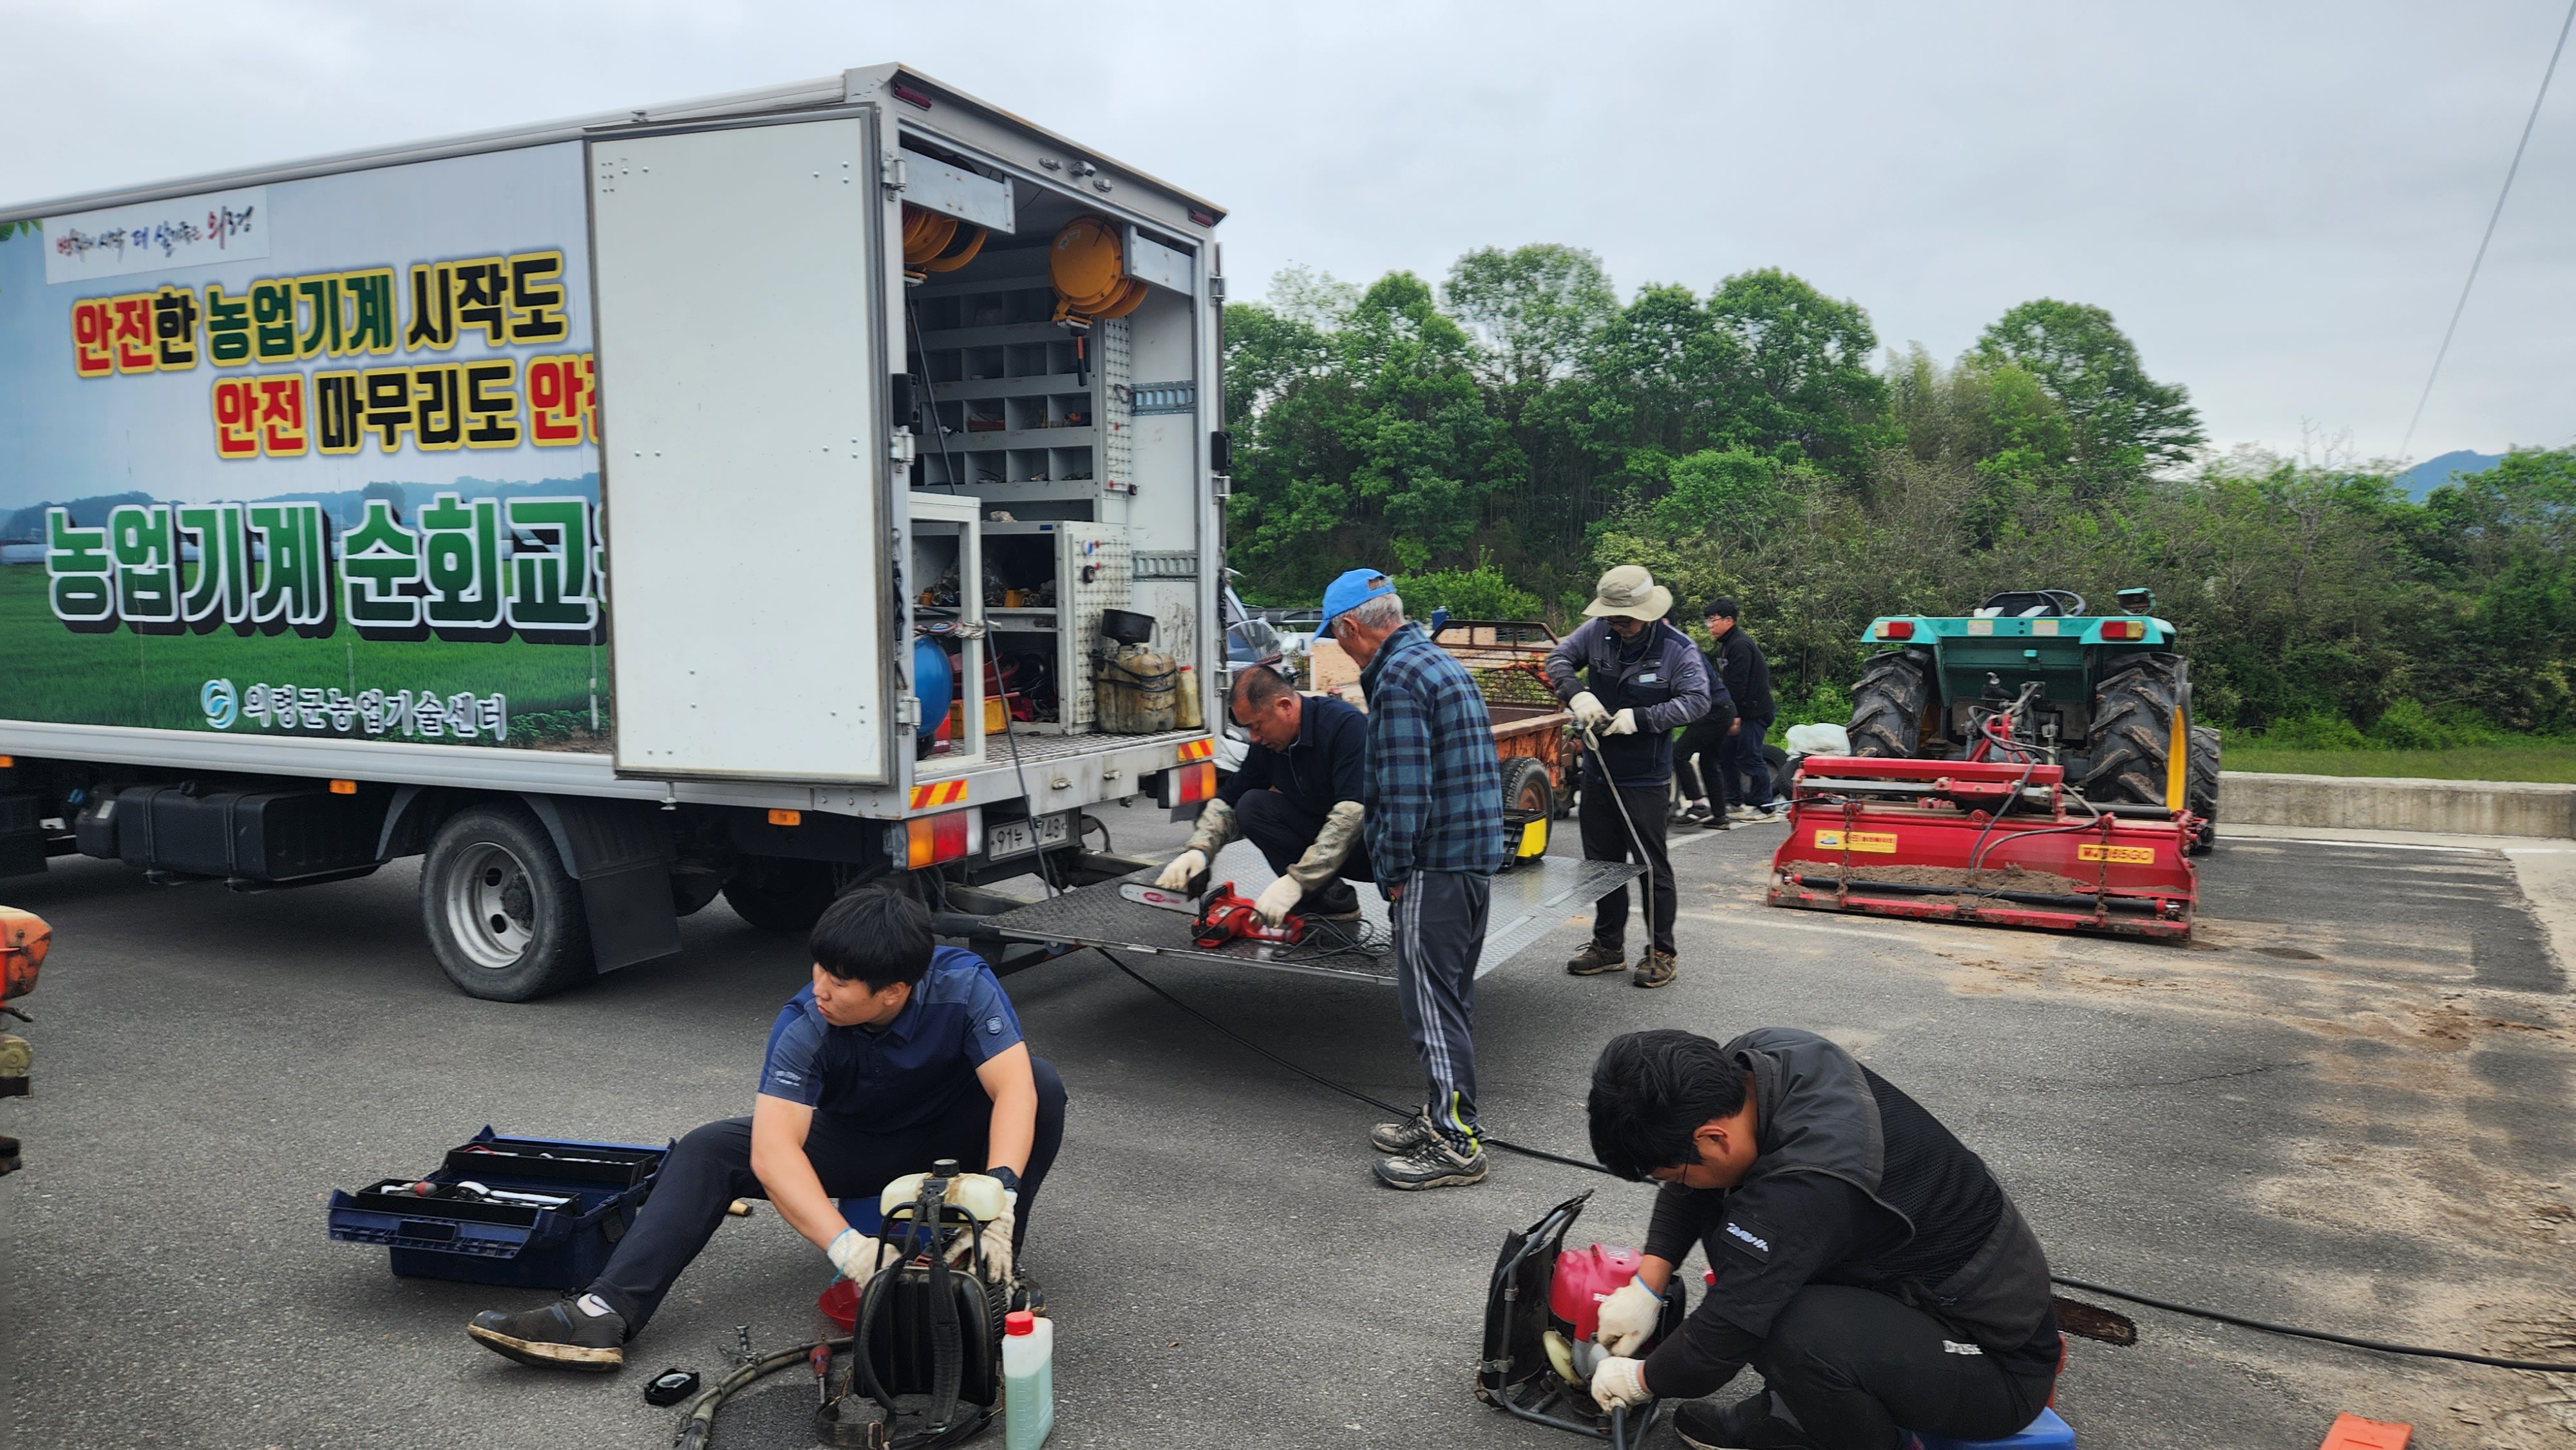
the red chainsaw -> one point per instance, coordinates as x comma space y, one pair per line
1226, 916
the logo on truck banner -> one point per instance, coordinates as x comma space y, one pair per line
317, 456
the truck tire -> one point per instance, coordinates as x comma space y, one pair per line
1888, 705
2133, 726
774, 893
2202, 790
504, 917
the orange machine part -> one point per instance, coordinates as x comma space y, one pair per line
24, 940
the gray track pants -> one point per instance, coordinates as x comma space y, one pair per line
1439, 925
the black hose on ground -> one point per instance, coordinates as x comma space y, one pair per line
700, 1425
2193, 1310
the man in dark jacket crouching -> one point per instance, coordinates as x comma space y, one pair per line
1866, 1262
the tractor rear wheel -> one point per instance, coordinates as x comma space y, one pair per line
1888, 705
2134, 715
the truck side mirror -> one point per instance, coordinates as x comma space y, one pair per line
2136, 601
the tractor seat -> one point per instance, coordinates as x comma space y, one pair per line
2031, 604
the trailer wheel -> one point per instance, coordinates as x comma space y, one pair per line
774, 893
1530, 797
1889, 703
504, 916
2133, 729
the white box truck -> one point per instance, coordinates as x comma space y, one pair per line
719, 498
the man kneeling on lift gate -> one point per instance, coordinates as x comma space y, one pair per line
1297, 798
1864, 1260
898, 1055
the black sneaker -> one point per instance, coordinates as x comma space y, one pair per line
1747, 1424
1335, 901
1402, 1138
1596, 959
1433, 1165
1695, 814
558, 1336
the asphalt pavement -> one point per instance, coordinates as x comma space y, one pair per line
2346, 1104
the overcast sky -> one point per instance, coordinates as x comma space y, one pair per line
2277, 202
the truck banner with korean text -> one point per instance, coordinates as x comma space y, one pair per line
316, 458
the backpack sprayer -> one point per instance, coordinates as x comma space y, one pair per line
1541, 1308
922, 1328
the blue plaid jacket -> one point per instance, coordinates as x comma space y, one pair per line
1433, 798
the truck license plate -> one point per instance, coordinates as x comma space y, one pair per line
1012, 838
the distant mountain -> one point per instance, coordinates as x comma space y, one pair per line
2431, 474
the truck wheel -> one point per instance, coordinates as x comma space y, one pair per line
1888, 705
504, 916
1529, 795
2133, 726
774, 893
2202, 789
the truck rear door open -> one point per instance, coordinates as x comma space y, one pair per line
741, 358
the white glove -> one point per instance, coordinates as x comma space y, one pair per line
1176, 877
854, 1254
997, 1242
1277, 899
1623, 723
1620, 1382
1587, 708
1628, 1318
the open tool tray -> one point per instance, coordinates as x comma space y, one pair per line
499, 1242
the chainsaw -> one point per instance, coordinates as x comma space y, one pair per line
1220, 915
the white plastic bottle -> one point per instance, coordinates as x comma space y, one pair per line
1028, 1380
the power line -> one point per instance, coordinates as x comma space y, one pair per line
2463, 304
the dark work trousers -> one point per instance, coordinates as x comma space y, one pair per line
712, 1167
1439, 927
1697, 758
1854, 1366
1747, 769
1282, 830
1605, 838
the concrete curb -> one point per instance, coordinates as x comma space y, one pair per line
2397, 803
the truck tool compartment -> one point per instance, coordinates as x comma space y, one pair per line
870, 490
558, 1207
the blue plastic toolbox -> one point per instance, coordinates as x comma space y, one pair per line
550, 1211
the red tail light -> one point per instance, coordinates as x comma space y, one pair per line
2124, 629
1896, 629
934, 840
1198, 782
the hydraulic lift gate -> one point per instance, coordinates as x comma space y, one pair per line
1527, 901
742, 383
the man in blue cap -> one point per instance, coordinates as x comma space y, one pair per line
1433, 813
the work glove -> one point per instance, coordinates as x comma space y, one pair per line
997, 1242
1277, 899
1176, 877
854, 1254
1588, 710
1628, 1318
1620, 1383
1623, 723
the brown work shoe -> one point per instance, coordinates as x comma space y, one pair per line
1654, 969
1596, 959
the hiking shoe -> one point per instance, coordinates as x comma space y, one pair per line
1336, 901
1696, 811
1654, 969
1596, 959
1745, 1425
1402, 1138
1433, 1165
558, 1336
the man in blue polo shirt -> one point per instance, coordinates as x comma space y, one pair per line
899, 1054
1297, 798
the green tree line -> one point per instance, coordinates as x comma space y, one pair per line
1501, 438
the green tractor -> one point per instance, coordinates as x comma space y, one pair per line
2030, 676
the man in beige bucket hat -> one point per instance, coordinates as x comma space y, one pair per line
1643, 679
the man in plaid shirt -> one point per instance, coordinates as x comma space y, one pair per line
1432, 810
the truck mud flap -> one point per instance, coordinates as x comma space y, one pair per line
620, 852
1527, 903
